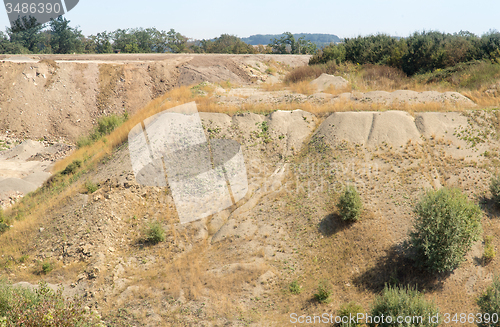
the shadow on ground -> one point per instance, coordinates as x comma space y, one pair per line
332, 224
397, 267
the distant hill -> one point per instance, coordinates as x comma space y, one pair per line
318, 39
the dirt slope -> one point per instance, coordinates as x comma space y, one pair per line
62, 96
234, 268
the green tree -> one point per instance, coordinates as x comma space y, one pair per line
176, 42
446, 226
288, 44
28, 33
64, 39
6, 46
226, 44
102, 42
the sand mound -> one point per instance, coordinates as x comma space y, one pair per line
452, 128
324, 81
286, 129
293, 127
369, 128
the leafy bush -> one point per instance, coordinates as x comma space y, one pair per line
446, 226
349, 310
403, 302
495, 189
303, 73
154, 233
72, 167
350, 205
91, 187
489, 250
295, 288
42, 307
489, 303
324, 292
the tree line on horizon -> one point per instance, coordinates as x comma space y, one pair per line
27, 36
421, 52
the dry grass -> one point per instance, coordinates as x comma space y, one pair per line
269, 87
303, 73
302, 87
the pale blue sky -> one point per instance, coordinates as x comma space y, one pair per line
210, 18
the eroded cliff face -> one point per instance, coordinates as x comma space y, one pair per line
62, 96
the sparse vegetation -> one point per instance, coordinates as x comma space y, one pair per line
347, 311
72, 167
154, 233
349, 204
323, 292
47, 267
495, 189
3, 223
489, 304
405, 302
91, 187
105, 125
295, 287
447, 224
489, 250
42, 307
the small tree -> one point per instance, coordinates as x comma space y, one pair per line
446, 226
403, 302
350, 205
489, 302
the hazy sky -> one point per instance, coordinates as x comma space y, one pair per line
210, 18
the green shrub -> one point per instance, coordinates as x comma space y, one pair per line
295, 288
446, 226
349, 310
154, 233
350, 205
489, 303
489, 250
47, 267
495, 189
303, 73
3, 224
403, 302
42, 307
324, 292
72, 167
91, 187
